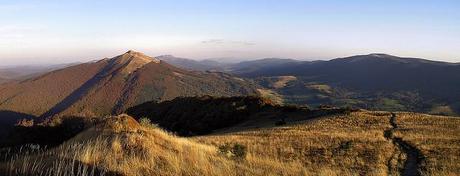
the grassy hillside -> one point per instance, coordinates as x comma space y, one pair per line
358, 143
355, 143
121, 146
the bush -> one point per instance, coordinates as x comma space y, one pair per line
345, 146
146, 122
237, 151
225, 150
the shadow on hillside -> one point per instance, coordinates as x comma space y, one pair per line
80, 92
189, 116
11, 117
7, 121
45, 134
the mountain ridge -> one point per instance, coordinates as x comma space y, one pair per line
111, 85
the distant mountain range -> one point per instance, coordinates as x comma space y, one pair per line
109, 86
373, 81
22, 72
235, 68
190, 64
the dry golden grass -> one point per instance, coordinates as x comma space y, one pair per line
335, 145
353, 144
120, 146
320, 146
438, 139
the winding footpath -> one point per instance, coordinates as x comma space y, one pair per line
413, 155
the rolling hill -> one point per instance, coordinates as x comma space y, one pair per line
248, 67
111, 85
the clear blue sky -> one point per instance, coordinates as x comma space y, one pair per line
65, 31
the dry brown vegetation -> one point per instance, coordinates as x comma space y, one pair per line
348, 144
120, 146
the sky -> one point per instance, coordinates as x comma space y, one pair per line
62, 31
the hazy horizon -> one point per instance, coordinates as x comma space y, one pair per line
222, 60
48, 32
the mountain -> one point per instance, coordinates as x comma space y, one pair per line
235, 68
111, 85
375, 71
377, 81
191, 64
248, 67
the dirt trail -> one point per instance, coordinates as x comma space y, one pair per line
413, 155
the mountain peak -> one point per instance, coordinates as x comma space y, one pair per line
380, 55
131, 51
133, 60
138, 56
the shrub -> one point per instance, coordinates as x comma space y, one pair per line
237, 151
346, 145
225, 150
146, 122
